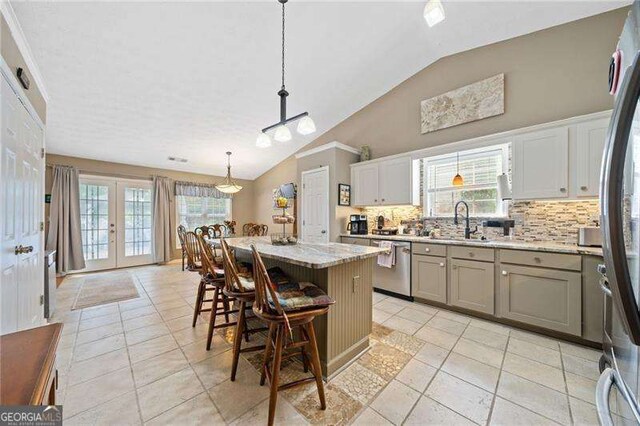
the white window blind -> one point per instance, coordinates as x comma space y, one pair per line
479, 169
197, 211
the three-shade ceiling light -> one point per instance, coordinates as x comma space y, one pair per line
281, 132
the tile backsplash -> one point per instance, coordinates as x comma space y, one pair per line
556, 221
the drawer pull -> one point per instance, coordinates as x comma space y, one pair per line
427, 249
442, 264
505, 273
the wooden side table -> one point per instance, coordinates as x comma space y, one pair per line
28, 374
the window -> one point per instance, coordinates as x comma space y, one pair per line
479, 169
197, 211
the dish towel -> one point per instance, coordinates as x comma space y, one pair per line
387, 259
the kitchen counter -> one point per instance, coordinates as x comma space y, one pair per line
314, 256
545, 246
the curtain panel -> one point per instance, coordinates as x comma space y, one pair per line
162, 197
191, 189
64, 228
162, 222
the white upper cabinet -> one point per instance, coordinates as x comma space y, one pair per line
590, 140
541, 164
394, 181
364, 184
387, 182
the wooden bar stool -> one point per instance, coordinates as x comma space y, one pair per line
285, 306
194, 264
212, 269
239, 286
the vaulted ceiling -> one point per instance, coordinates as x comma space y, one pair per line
138, 82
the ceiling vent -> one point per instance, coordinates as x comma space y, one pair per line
177, 159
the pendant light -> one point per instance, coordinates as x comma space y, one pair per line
457, 179
228, 185
306, 126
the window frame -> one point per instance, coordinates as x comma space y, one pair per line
178, 216
501, 206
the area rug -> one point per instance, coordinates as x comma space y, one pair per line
104, 288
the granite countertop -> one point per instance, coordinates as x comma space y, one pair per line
315, 256
547, 246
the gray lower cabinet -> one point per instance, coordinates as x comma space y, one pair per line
542, 297
429, 278
472, 285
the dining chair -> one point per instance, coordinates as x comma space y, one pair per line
294, 307
181, 231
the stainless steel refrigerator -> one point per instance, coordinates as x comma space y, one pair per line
617, 391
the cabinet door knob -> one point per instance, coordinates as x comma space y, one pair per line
471, 254
563, 189
383, 199
427, 249
584, 188
505, 273
442, 264
537, 259
375, 200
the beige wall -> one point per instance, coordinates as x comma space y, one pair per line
285, 172
552, 74
242, 203
13, 57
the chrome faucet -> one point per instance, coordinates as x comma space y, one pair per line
467, 230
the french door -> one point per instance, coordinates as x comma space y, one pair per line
115, 217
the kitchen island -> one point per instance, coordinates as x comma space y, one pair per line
344, 272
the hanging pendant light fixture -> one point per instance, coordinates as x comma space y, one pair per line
457, 179
228, 185
306, 126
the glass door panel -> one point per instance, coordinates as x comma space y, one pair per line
134, 223
97, 223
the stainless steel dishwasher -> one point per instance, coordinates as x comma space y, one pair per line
396, 280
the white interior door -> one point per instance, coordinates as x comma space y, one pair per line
133, 223
21, 261
315, 205
98, 223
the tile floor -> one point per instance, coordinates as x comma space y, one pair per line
140, 361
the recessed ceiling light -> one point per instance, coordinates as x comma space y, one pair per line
177, 159
433, 12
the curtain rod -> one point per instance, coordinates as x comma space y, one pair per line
115, 175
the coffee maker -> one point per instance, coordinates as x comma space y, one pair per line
358, 224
